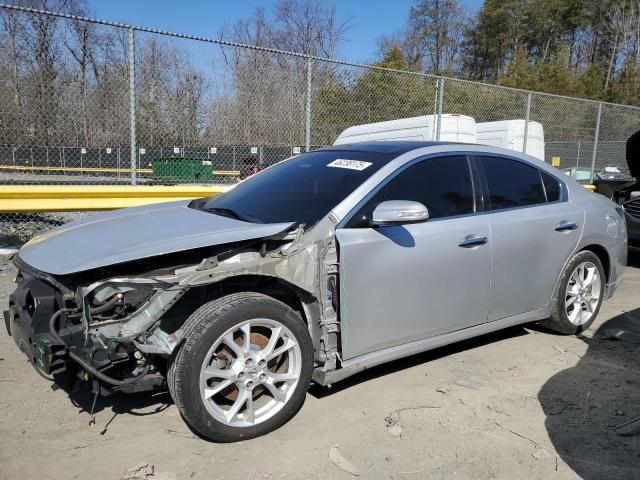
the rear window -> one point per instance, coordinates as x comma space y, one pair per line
302, 190
551, 187
512, 183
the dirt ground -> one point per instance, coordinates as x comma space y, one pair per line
522, 403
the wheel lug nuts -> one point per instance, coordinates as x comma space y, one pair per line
262, 377
240, 375
248, 362
250, 384
262, 363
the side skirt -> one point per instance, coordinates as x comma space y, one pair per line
363, 362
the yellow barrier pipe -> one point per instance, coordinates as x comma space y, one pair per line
73, 169
66, 198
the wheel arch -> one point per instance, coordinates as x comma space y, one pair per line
275, 287
602, 253
301, 301
598, 250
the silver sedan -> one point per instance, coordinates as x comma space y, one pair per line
314, 269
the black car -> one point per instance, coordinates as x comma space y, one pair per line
630, 196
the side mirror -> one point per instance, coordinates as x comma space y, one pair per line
397, 212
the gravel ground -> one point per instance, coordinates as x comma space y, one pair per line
18, 228
522, 403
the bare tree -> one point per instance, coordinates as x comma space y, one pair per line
437, 29
622, 29
14, 56
259, 97
309, 27
12, 50
403, 40
81, 46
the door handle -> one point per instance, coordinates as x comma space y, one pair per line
473, 242
565, 227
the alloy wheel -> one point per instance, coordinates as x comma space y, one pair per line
583, 293
250, 372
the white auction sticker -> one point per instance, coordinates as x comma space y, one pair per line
350, 164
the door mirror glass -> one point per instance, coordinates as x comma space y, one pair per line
395, 212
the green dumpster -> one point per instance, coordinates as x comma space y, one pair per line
184, 169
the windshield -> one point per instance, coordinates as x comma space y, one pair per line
302, 190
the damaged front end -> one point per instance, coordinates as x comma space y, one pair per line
120, 325
68, 331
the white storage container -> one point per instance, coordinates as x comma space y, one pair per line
510, 134
454, 128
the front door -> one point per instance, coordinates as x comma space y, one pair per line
409, 282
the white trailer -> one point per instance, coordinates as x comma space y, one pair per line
453, 128
510, 134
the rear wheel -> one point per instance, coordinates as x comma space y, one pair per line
244, 368
579, 295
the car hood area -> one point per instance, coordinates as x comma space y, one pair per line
121, 236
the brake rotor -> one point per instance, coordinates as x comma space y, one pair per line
257, 339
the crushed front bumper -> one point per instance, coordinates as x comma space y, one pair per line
31, 306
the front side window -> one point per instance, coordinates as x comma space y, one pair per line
512, 183
442, 184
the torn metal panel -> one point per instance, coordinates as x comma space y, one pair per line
308, 262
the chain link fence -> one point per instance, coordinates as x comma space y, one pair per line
86, 101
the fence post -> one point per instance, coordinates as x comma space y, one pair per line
440, 102
578, 155
132, 103
595, 143
435, 108
307, 113
526, 124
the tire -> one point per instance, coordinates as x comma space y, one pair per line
215, 336
565, 301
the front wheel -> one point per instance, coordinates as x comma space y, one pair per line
244, 368
578, 296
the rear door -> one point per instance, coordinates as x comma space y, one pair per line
408, 282
534, 229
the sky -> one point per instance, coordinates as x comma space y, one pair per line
369, 18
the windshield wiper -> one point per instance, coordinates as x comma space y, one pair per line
229, 212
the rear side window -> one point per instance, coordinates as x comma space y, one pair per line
511, 183
551, 187
442, 184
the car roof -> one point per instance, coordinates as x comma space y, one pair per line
392, 147
404, 152
390, 150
